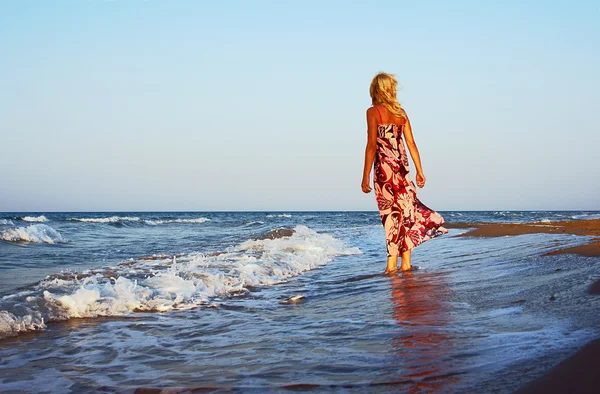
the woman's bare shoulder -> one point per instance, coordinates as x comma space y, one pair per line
371, 112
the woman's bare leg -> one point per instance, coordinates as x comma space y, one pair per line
405, 265
392, 264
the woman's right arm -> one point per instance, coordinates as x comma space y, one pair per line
370, 149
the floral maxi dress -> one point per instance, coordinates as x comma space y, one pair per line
406, 220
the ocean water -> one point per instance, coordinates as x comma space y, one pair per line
219, 300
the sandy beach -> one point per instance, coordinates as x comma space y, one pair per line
575, 227
576, 374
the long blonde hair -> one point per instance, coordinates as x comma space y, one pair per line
383, 92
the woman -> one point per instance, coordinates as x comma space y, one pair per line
407, 222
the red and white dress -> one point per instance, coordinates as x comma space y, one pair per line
406, 220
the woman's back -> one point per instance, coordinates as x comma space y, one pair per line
386, 117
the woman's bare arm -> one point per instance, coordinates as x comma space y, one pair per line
370, 149
414, 153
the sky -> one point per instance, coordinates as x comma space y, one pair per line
260, 105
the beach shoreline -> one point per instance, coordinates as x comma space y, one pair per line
470, 290
575, 373
574, 227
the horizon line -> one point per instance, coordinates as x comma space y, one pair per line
292, 211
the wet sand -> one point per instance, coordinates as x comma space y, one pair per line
576, 227
577, 373
595, 287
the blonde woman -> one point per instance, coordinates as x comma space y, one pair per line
407, 221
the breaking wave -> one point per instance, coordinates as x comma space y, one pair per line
163, 283
38, 233
40, 218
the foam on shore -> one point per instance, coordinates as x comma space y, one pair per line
164, 283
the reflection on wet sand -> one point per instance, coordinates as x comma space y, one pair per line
422, 343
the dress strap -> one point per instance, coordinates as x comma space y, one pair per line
379, 111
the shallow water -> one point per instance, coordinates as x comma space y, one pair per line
475, 312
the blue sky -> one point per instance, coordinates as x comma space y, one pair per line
260, 105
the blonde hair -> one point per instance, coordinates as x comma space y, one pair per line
383, 92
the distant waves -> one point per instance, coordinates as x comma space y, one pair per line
40, 218
45, 234
135, 219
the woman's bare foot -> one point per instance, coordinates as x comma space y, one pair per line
405, 265
392, 265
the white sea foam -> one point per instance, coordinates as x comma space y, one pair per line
162, 284
254, 223
39, 233
283, 215
167, 221
154, 222
111, 219
40, 218
586, 216
11, 325
6, 222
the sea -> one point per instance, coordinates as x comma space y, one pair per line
283, 301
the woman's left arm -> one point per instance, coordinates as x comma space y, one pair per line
414, 153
